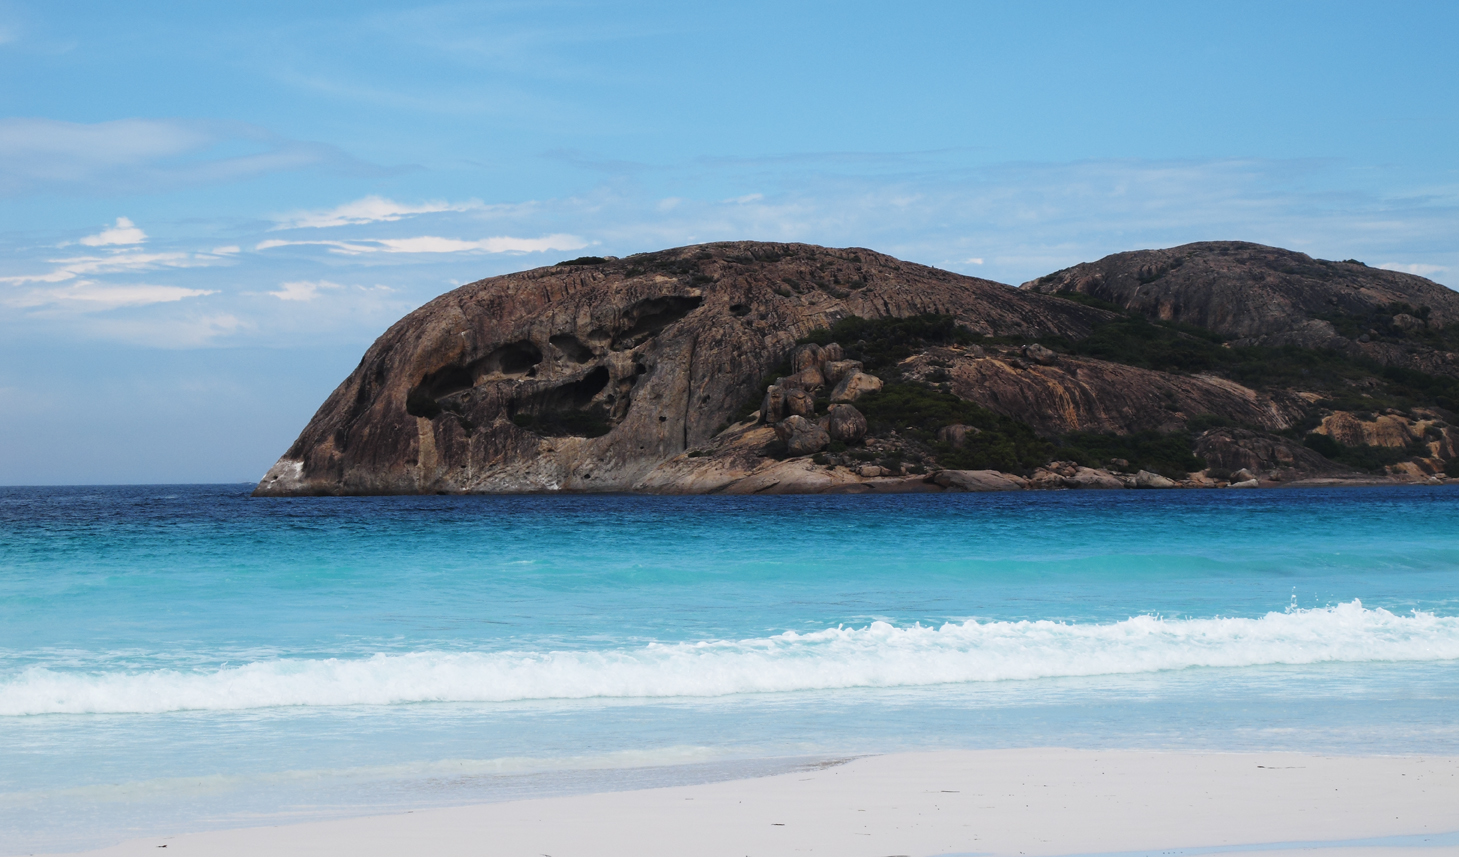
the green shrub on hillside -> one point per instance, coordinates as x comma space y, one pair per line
917, 412
1167, 454
882, 342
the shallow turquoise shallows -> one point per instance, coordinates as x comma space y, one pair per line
183, 657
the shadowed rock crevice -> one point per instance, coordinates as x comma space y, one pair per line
653, 315
572, 348
568, 410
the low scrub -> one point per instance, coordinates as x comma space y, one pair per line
1168, 454
880, 343
917, 412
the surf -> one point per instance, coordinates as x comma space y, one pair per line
877, 655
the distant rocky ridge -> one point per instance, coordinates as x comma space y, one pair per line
715, 368
1268, 296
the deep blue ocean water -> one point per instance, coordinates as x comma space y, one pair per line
183, 657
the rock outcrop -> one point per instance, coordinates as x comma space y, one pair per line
1260, 295
1249, 290
587, 377
644, 374
1078, 394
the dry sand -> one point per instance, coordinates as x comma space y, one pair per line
1033, 802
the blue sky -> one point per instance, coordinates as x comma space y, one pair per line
209, 211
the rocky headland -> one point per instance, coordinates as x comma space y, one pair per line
747, 367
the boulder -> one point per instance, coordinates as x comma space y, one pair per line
869, 471
835, 370
846, 424
1089, 478
1146, 479
805, 357
974, 480
831, 352
1040, 355
772, 408
956, 434
1245, 483
1408, 322
1047, 479
800, 403
854, 386
1243, 475
810, 378
801, 436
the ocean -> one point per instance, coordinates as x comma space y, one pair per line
179, 658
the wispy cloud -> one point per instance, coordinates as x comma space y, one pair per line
1421, 270
124, 232
89, 295
304, 290
126, 155
436, 244
73, 267
371, 209
173, 331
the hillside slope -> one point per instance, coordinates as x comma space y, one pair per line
1255, 294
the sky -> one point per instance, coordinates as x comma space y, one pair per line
209, 211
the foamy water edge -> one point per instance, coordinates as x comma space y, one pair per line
879, 655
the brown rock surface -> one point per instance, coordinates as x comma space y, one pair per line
854, 386
846, 424
1083, 394
494, 387
1248, 290
801, 436
1235, 449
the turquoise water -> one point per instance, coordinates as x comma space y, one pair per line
181, 657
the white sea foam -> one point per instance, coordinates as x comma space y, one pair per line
879, 655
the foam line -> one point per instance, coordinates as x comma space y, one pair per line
878, 655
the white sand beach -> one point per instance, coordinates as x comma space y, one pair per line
995, 802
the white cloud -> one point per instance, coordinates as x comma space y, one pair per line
747, 198
371, 209
124, 232
116, 262
230, 250
89, 295
435, 244
1421, 270
303, 290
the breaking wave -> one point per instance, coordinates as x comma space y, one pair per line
878, 655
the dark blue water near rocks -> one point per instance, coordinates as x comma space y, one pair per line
174, 657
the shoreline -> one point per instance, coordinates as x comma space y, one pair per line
883, 486
1045, 801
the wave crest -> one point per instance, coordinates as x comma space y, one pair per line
878, 655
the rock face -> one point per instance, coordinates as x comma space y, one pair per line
801, 436
854, 386
588, 377
1238, 450
1250, 291
1077, 394
846, 424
